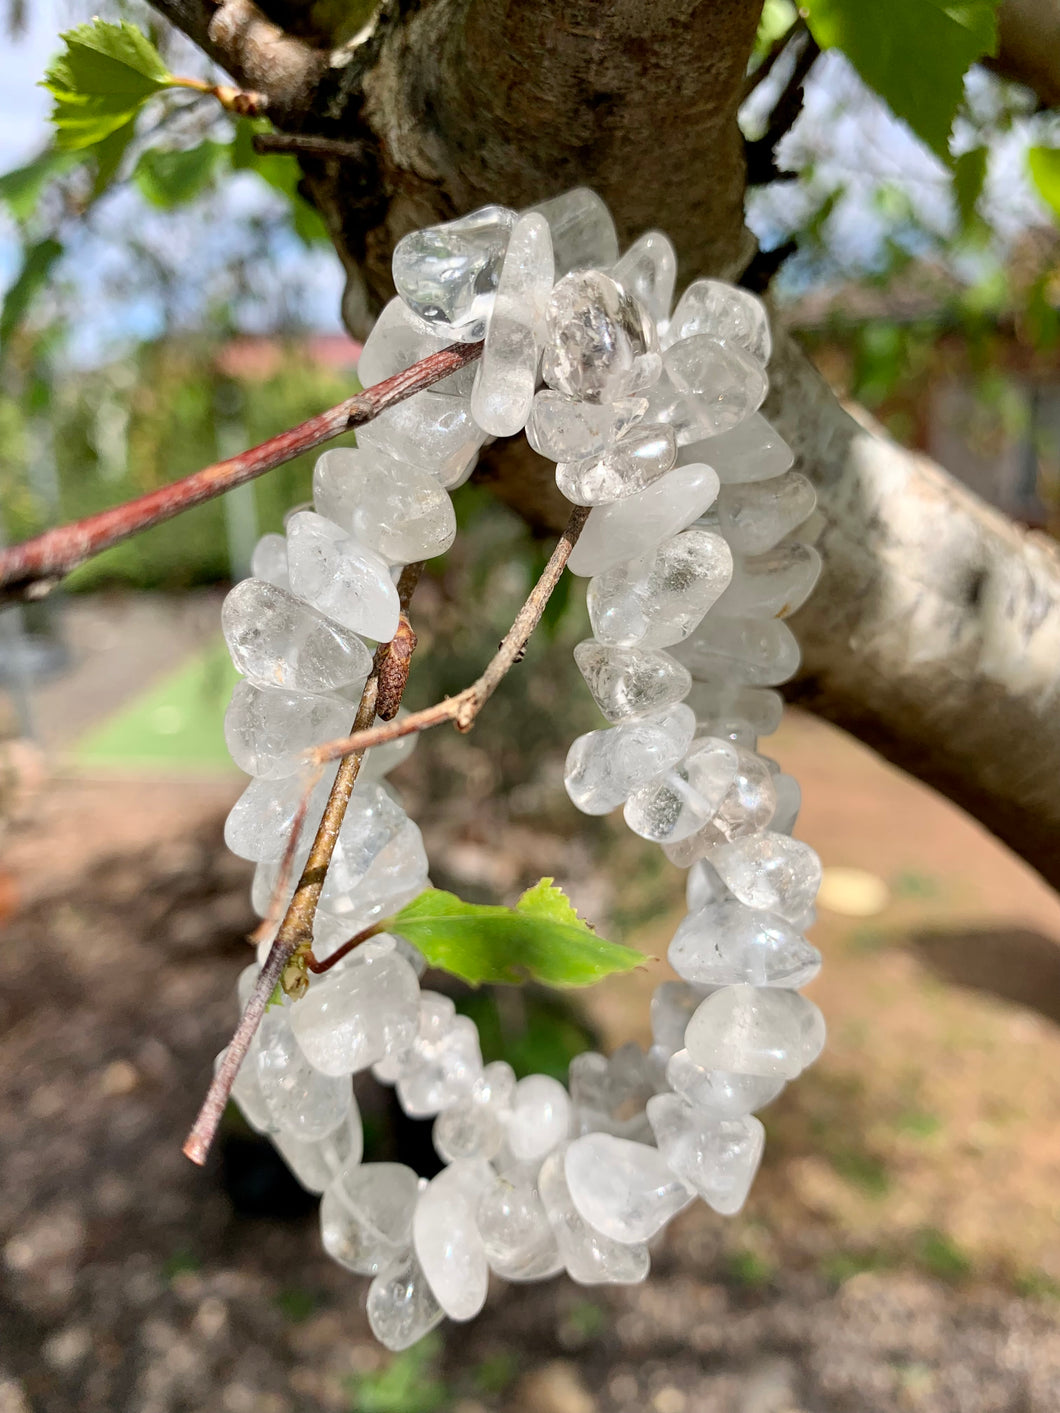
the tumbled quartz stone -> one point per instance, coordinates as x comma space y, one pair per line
590, 1257
628, 465
446, 1238
717, 1158
726, 942
446, 1070
398, 339
609, 1093
268, 729
401, 1305
756, 516
631, 528
722, 699
259, 824
302, 1102
724, 312
448, 274
396, 875
624, 1190
725, 383
539, 1117
315, 1163
789, 802
278, 641
362, 1011
757, 1030
503, 392
673, 1004
568, 429
703, 885
583, 233
657, 601
373, 819
770, 872
398, 510
434, 1017
760, 652
648, 271
718, 782
473, 1127
720, 1092
516, 1233
269, 561
366, 1215
600, 345
431, 430
627, 683
754, 451
246, 1090
772, 585
341, 577
603, 768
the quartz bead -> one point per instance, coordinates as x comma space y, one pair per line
724, 312
767, 1031
434, 1017
624, 1190
396, 875
302, 1102
725, 383
628, 465
760, 652
504, 384
648, 271
716, 1158
756, 516
473, 1127
278, 641
722, 699
603, 768
673, 1004
431, 430
720, 1092
259, 824
400, 338
608, 1094
246, 1090
717, 782
600, 345
789, 802
398, 510
753, 451
539, 1117
703, 885
516, 1233
341, 577
315, 1163
447, 274
366, 1215
567, 429
446, 1238
627, 683
657, 601
770, 872
590, 1257
583, 233
401, 1305
269, 561
444, 1071
373, 819
630, 528
268, 729
772, 585
726, 942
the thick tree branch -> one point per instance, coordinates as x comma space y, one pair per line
1029, 46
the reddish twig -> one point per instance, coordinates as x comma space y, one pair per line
319, 968
30, 570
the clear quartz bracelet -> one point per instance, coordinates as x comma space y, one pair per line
692, 552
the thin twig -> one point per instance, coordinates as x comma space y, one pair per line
296, 929
319, 968
304, 144
30, 570
245, 102
466, 705
761, 154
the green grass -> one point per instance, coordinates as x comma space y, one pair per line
408, 1384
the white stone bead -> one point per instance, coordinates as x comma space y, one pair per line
771, 585
474, 1127
398, 339
625, 1190
446, 1238
268, 729
568, 429
447, 274
726, 942
315, 1163
789, 802
516, 1233
341, 577
760, 652
302, 1102
269, 561
432, 430
703, 885
628, 683
583, 233
717, 1158
401, 1305
725, 383
603, 768
648, 271
398, 510
434, 1017
723, 312
658, 600
366, 1215
590, 1257
756, 516
721, 1092
600, 345
396, 875
259, 824
246, 1090
722, 699
627, 466
445, 1070
539, 1117
718, 782
373, 819
278, 641
753, 451
608, 1094
770, 872
765, 1031
614, 534
504, 383
673, 1004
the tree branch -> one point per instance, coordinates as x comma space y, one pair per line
32, 569
1029, 46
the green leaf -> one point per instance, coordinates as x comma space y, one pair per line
541, 939
171, 178
108, 155
778, 16
101, 79
21, 190
1043, 164
281, 173
275, 997
914, 53
969, 173
36, 267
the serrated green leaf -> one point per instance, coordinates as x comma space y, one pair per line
169, 179
101, 79
969, 173
1043, 163
914, 53
541, 939
36, 267
108, 155
21, 190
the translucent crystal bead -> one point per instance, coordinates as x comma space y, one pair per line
473, 1127
648, 271
767, 1031
600, 345
446, 1070
760, 652
539, 1117
448, 274
673, 1004
657, 601
583, 233
303, 1103
400, 338
379, 761
341, 577
446, 1238
609, 1093
504, 384
431, 430
269, 561
373, 819
623, 1189
398, 510
717, 782
627, 683
703, 885
315, 1163
362, 1011
721, 699
630, 528
516, 1233
259, 824
726, 383
401, 1306
720, 1092
567, 429
717, 1158
724, 312
753, 451
434, 1017
726, 942
268, 729
590, 1257
246, 1091
756, 516
278, 641
628, 465
789, 802
366, 1215
770, 872
603, 768
772, 585
396, 875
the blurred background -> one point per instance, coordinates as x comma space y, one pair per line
901, 1247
